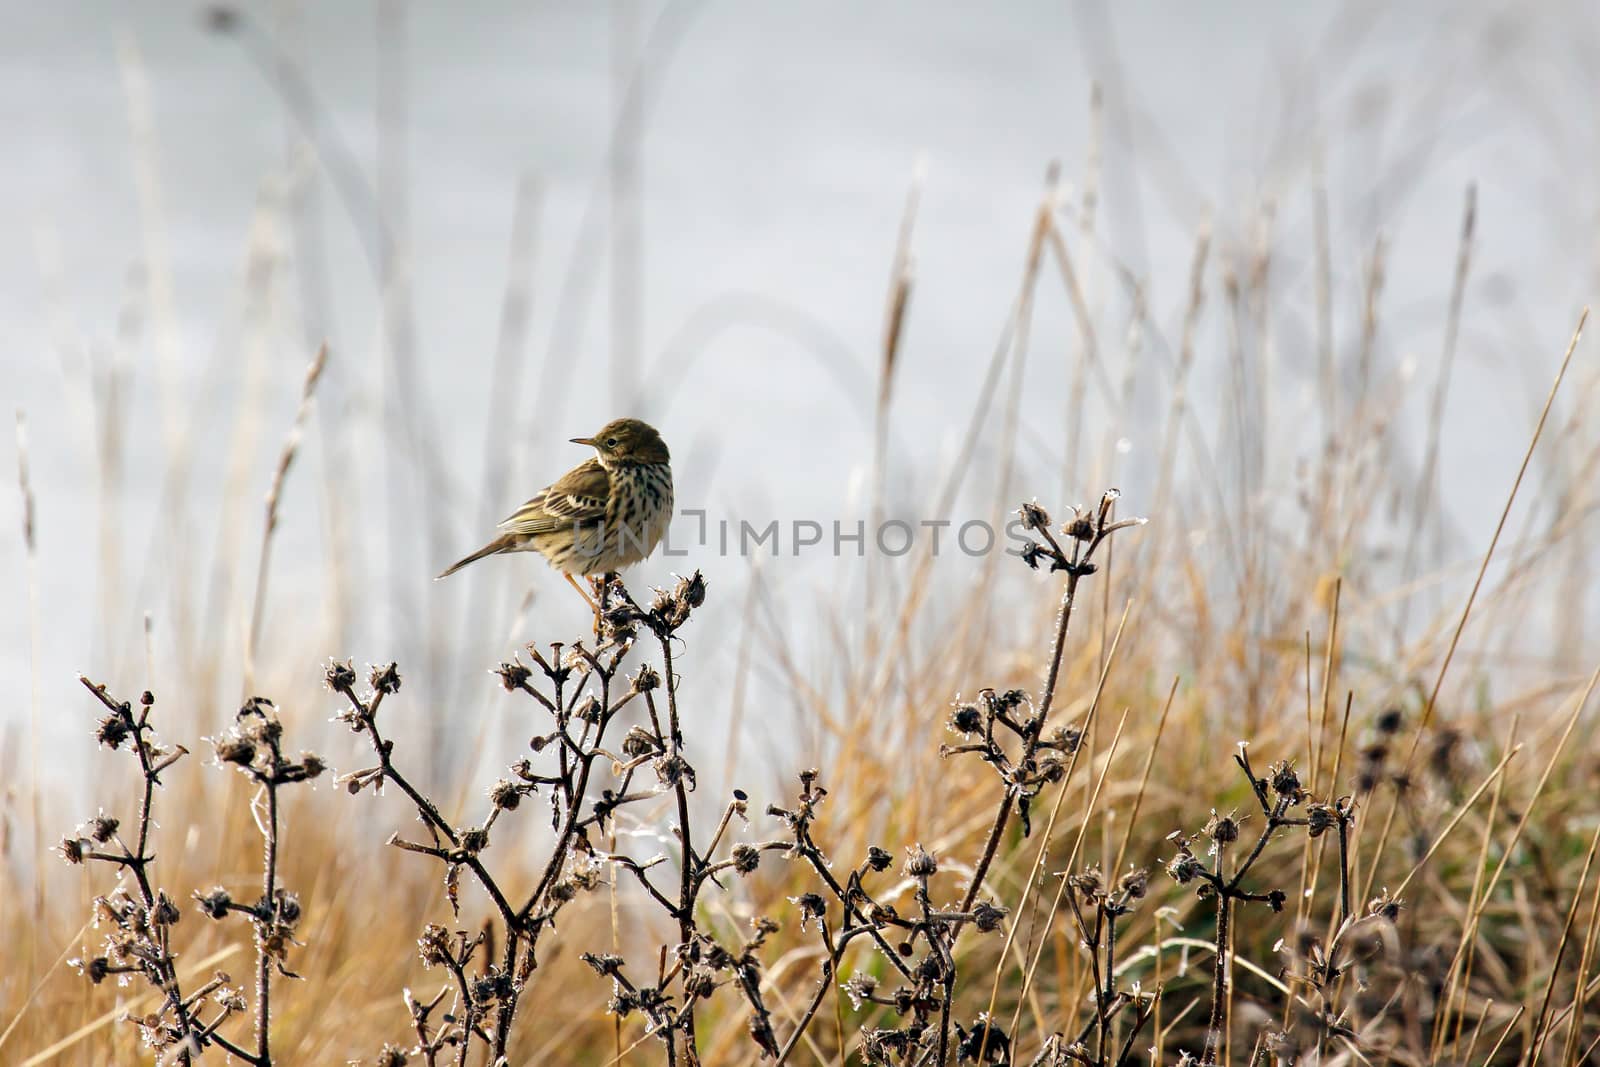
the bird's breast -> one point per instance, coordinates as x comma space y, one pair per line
640, 503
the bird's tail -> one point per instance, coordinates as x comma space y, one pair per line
503, 543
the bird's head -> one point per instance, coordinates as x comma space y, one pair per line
623, 441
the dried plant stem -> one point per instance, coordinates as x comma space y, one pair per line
1221, 960
1087, 537
1308, 888
688, 885
291, 446
269, 878
1329, 661
138, 860
824, 984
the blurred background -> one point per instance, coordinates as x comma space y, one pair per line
510, 222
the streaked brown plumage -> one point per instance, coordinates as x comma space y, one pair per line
602, 515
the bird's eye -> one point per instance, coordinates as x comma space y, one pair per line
611, 442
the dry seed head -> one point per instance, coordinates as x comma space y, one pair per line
1184, 867
589, 709
811, 906
966, 720
859, 988
234, 749
1285, 782
638, 742
1090, 882
165, 912
434, 945
385, 679
513, 675
692, 590
72, 849
288, 907
1034, 517
215, 903
1386, 906
920, 863
340, 677
113, 730
605, 964
699, 983
1222, 829
987, 917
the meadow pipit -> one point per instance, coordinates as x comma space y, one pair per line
603, 514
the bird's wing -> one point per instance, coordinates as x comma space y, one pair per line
578, 497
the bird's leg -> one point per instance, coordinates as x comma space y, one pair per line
587, 599
601, 585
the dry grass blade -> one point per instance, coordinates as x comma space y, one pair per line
1423, 508
1542, 1024
902, 278
36, 787
1483, 568
1469, 931
1480, 870
47, 1055
1144, 777
1499, 527
291, 446
44, 976
1511, 1024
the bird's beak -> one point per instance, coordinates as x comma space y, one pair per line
582, 441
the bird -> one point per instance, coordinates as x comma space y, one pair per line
606, 513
